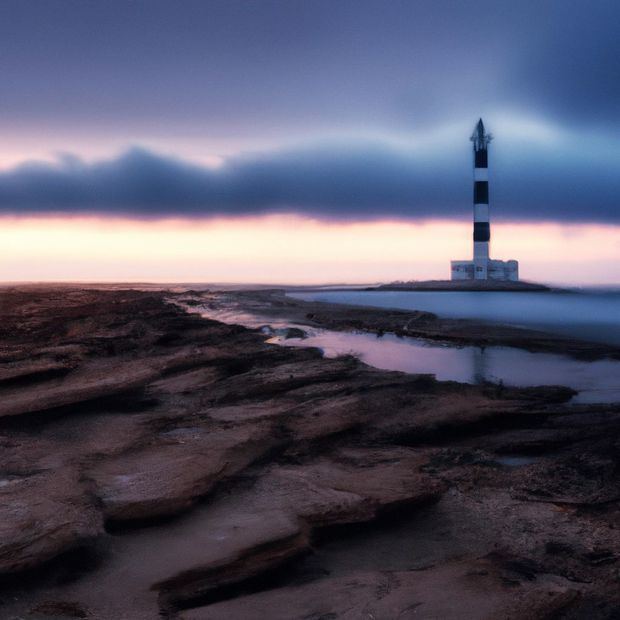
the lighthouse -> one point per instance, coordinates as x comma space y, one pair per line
482, 267
482, 228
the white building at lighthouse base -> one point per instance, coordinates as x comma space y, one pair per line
507, 270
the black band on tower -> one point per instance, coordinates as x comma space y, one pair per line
481, 193
481, 159
482, 231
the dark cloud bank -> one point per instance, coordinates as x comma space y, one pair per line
365, 181
278, 68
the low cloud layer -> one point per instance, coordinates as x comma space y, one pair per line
355, 182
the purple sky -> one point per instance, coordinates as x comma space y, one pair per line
346, 109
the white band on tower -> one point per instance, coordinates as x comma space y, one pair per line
481, 174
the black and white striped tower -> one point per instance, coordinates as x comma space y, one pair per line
482, 230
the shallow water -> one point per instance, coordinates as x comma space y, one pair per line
592, 316
597, 381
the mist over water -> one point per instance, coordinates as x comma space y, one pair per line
590, 315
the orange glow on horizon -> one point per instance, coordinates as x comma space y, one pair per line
291, 249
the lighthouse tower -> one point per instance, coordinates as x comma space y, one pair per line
482, 228
482, 267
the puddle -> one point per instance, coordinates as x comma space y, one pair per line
596, 381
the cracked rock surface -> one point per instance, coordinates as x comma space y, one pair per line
157, 464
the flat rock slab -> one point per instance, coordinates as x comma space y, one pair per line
322, 493
100, 381
42, 516
170, 475
355, 486
461, 591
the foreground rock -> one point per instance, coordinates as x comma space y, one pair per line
460, 591
170, 475
294, 501
207, 474
43, 514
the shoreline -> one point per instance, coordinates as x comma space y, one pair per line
188, 469
501, 286
276, 305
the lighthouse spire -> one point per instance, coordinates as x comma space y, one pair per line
480, 138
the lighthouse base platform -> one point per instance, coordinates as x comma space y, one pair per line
503, 270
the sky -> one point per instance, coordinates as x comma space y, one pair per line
305, 140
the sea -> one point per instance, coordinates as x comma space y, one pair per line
591, 315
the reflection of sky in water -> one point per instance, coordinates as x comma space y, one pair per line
597, 381
591, 316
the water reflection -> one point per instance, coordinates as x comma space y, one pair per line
479, 365
597, 381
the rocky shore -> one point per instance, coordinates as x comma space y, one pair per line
154, 464
276, 305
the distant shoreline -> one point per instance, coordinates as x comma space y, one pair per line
463, 285
443, 285
424, 285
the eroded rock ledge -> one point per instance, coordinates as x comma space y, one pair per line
208, 474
